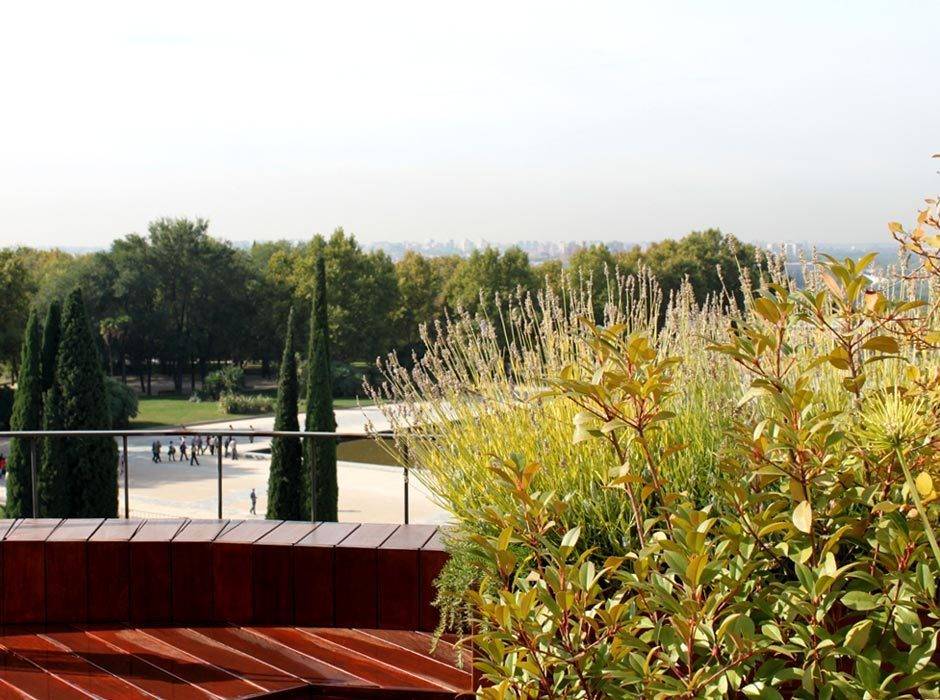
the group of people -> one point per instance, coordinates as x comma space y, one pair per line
198, 446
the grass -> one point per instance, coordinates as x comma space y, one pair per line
171, 411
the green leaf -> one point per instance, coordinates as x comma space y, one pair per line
857, 637
882, 343
860, 600
571, 537
803, 517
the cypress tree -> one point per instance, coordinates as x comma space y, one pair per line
51, 331
286, 492
27, 415
54, 483
90, 462
320, 453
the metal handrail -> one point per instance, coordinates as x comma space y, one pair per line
32, 436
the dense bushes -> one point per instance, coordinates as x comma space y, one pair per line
228, 380
246, 404
122, 402
678, 543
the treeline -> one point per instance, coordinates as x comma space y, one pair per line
178, 301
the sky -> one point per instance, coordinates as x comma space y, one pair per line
502, 121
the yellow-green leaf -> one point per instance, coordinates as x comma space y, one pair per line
803, 517
882, 343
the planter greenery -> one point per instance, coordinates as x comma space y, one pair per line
729, 501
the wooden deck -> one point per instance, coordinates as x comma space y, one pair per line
226, 662
221, 609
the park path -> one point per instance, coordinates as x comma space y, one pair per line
367, 492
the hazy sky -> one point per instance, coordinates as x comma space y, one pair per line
504, 120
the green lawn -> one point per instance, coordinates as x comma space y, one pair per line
171, 411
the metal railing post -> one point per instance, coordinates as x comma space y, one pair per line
34, 474
218, 447
313, 483
127, 469
404, 455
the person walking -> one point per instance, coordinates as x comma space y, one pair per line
194, 454
154, 452
183, 449
234, 450
228, 441
171, 452
157, 448
251, 438
211, 441
254, 500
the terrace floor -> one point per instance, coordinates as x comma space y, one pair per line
226, 662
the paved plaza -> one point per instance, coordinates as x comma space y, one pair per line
367, 492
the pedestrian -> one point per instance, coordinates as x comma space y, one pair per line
218, 444
254, 500
194, 455
183, 449
171, 452
3, 465
211, 441
228, 441
251, 438
157, 449
234, 451
154, 451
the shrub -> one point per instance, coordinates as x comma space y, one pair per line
802, 563
813, 571
228, 380
246, 404
122, 402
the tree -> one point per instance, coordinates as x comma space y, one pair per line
487, 273
286, 492
27, 415
91, 462
419, 287
55, 497
320, 452
15, 293
51, 331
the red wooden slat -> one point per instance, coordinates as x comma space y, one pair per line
399, 577
66, 572
417, 664
31, 679
369, 669
192, 569
431, 561
313, 564
24, 571
219, 655
63, 664
132, 668
356, 576
283, 657
107, 554
178, 663
149, 566
423, 643
232, 570
272, 573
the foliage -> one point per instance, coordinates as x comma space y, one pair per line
55, 483
51, 332
286, 478
6, 405
122, 402
246, 404
486, 276
16, 292
27, 415
320, 454
808, 565
91, 462
228, 380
